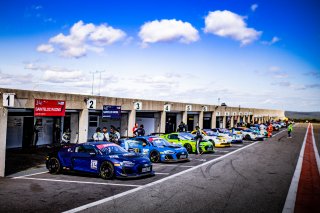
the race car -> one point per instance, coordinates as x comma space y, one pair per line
252, 135
276, 127
260, 131
217, 141
232, 137
186, 139
105, 159
155, 148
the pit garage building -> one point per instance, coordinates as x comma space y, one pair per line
55, 113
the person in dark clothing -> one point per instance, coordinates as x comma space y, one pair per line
140, 131
198, 138
182, 127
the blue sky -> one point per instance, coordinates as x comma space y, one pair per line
260, 54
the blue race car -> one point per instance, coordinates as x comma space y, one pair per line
157, 149
103, 158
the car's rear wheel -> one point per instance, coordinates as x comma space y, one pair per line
54, 166
155, 157
247, 137
188, 147
106, 170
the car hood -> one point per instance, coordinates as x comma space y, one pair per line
130, 156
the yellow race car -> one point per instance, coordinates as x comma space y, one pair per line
218, 141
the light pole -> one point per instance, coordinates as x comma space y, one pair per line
92, 82
99, 80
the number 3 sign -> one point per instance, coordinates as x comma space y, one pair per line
138, 105
91, 103
8, 99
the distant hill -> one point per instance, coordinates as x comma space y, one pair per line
303, 115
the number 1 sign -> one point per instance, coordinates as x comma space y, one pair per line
8, 99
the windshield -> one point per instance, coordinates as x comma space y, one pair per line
186, 136
135, 142
161, 142
111, 149
211, 133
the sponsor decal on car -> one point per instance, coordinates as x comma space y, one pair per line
94, 164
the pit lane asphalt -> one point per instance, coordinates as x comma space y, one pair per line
256, 178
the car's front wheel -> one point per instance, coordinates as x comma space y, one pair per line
188, 147
247, 137
155, 157
106, 170
54, 166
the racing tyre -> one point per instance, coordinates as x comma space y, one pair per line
189, 148
106, 170
54, 165
155, 157
213, 143
247, 137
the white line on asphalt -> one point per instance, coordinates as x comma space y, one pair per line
83, 182
222, 151
279, 132
315, 149
172, 165
217, 155
292, 193
38, 173
160, 173
89, 205
236, 145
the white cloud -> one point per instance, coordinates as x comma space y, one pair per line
254, 7
168, 30
61, 76
228, 24
46, 48
14, 79
106, 35
86, 37
274, 68
274, 40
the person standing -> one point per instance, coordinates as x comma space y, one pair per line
198, 139
290, 128
114, 135
270, 129
105, 134
181, 127
36, 130
140, 131
98, 136
134, 129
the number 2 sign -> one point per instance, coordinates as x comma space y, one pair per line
8, 99
91, 103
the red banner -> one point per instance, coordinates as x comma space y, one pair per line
49, 107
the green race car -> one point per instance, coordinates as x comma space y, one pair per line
187, 140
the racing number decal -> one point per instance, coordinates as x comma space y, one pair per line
94, 164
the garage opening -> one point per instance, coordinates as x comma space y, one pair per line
171, 122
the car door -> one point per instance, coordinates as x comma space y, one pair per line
85, 159
146, 148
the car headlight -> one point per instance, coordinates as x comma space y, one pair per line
127, 163
168, 152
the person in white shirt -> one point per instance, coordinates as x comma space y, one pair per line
98, 136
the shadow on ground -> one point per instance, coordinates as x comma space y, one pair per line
21, 159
